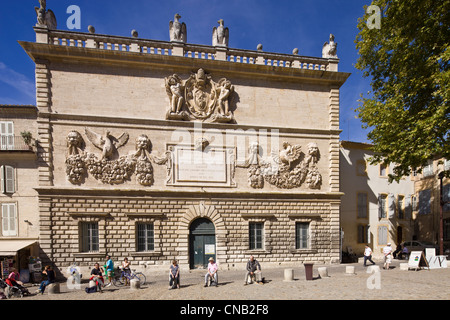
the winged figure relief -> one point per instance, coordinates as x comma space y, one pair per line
288, 155
178, 30
221, 34
108, 143
45, 17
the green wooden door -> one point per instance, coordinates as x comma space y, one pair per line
202, 243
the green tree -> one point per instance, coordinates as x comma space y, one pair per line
407, 59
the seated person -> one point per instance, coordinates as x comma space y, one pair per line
174, 275
97, 277
253, 271
14, 279
48, 271
212, 272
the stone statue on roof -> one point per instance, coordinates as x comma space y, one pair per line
221, 35
330, 49
45, 18
178, 30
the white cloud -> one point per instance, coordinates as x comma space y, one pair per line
18, 81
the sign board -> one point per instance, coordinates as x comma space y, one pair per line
417, 259
210, 249
442, 261
430, 253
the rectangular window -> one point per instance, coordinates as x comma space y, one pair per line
7, 179
425, 201
145, 237
428, 170
362, 205
382, 206
90, 238
9, 220
382, 235
6, 135
256, 234
401, 207
446, 197
363, 231
301, 235
383, 170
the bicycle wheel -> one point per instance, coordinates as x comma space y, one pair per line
141, 277
118, 281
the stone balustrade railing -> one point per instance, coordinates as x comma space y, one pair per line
156, 47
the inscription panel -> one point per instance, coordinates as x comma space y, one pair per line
212, 167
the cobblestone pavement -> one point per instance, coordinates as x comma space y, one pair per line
390, 284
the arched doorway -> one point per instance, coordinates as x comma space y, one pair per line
202, 243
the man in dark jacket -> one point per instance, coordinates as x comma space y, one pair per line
253, 271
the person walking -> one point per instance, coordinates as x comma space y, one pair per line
387, 251
367, 255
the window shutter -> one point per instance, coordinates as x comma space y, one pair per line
3, 179
9, 220
408, 207
380, 206
391, 206
9, 179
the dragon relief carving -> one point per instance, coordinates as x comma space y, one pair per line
200, 98
287, 169
110, 168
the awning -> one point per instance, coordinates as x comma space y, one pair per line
10, 247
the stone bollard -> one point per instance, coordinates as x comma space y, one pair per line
53, 288
372, 269
288, 275
323, 272
135, 284
350, 270
404, 266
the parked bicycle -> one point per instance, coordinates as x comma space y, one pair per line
123, 277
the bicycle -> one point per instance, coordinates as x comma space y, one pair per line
121, 278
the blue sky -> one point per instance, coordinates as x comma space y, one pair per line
280, 26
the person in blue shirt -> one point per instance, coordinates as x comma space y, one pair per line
109, 270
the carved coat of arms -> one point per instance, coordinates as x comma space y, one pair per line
200, 98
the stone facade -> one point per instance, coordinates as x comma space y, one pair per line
118, 115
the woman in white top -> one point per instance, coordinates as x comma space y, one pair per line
387, 251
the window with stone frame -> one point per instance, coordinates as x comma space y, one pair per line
145, 237
89, 237
382, 206
424, 202
382, 235
302, 235
256, 235
401, 206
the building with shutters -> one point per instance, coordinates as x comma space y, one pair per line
159, 150
427, 208
19, 176
373, 211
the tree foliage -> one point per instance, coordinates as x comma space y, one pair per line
408, 60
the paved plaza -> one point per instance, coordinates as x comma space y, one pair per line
393, 284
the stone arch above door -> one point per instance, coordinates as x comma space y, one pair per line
192, 213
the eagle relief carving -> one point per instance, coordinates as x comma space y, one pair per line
200, 98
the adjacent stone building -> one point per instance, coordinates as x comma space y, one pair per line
156, 150
373, 211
